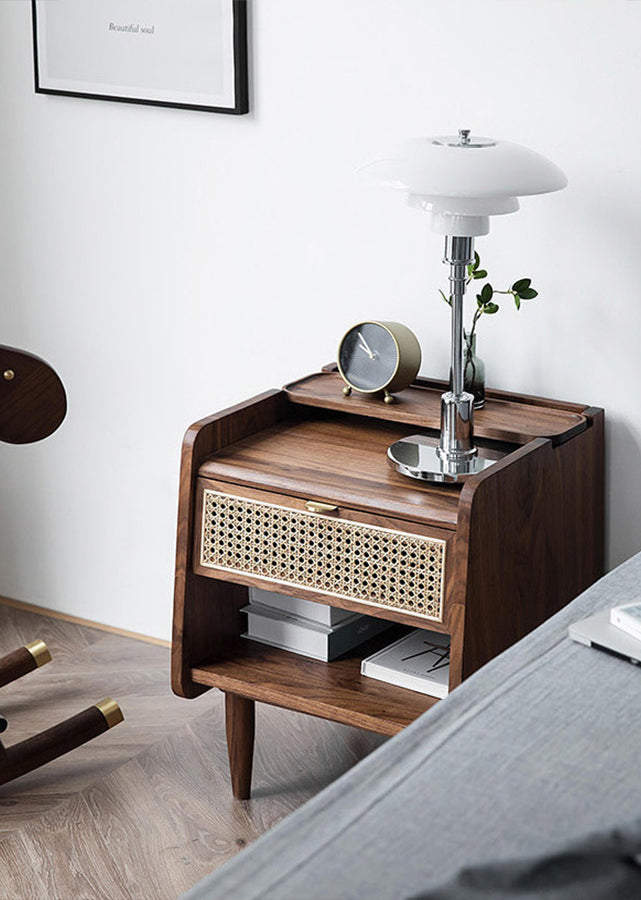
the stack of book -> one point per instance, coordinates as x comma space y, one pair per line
308, 628
420, 661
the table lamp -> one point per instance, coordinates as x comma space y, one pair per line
461, 181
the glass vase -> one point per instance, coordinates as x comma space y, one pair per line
473, 372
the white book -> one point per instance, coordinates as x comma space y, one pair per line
324, 642
318, 612
420, 661
627, 617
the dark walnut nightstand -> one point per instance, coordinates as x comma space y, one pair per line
485, 562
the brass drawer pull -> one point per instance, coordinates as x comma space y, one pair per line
314, 506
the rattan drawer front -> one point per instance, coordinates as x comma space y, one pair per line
335, 556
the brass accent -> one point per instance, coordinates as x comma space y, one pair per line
8, 374
40, 652
315, 506
333, 556
347, 390
388, 398
111, 711
408, 352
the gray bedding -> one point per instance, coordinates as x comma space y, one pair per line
536, 751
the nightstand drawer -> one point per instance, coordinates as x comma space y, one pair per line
311, 546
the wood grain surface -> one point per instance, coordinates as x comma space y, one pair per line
530, 539
512, 420
199, 621
440, 385
145, 810
33, 402
47, 745
16, 664
240, 727
335, 690
337, 459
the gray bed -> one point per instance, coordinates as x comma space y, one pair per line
529, 756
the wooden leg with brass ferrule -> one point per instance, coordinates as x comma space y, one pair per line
35, 751
25, 659
240, 726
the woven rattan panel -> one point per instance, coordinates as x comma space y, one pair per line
331, 555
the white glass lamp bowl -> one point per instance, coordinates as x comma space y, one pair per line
461, 181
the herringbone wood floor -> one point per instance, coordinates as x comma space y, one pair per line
145, 810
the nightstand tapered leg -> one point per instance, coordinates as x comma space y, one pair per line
240, 725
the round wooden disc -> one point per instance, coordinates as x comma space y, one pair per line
33, 401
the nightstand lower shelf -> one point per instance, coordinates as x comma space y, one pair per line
332, 690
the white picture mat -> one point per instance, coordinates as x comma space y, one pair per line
172, 51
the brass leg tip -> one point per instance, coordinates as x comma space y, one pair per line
40, 652
111, 711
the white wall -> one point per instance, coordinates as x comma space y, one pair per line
169, 263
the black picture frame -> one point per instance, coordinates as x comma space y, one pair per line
235, 75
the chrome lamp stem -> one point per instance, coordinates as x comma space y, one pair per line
457, 406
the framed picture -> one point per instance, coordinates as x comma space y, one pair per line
186, 53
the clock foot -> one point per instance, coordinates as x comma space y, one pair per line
347, 390
388, 398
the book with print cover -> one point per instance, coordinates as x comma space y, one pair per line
420, 661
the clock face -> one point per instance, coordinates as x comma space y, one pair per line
368, 357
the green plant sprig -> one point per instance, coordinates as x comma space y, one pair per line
485, 303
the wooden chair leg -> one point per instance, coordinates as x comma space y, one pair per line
27, 755
240, 727
26, 659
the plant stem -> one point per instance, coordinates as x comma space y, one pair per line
472, 331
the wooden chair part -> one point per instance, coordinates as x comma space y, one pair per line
25, 659
35, 751
33, 401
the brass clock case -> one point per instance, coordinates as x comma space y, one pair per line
408, 358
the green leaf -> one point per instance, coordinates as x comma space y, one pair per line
517, 301
477, 261
528, 294
491, 308
479, 301
487, 293
480, 273
521, 285
448, 300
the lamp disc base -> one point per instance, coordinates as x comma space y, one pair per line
418, 457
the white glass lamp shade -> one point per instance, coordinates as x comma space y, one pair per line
463, 180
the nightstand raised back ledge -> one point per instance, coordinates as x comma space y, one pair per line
512, 418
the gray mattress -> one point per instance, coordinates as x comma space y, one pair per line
534, 751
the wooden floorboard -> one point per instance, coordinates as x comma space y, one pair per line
145, 810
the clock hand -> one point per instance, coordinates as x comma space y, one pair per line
365, 346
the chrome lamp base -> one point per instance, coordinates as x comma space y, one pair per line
420, 456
